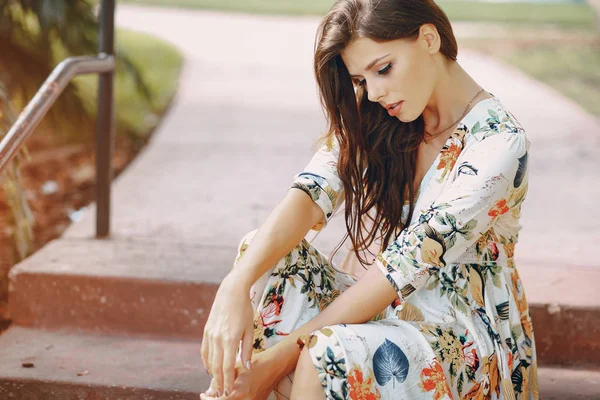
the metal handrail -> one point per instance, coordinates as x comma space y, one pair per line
45, 97
63, 73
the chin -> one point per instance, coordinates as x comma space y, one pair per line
406, 116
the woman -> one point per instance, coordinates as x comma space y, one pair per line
433, 171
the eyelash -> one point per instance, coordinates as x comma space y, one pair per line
383, 71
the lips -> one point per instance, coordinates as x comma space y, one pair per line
394, 108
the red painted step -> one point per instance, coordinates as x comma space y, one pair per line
67, 365
156, 289
71, 365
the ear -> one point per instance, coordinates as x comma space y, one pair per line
430, 38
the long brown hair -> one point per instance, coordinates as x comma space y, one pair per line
377, 152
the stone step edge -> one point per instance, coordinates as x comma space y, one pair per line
66, 364
128, 303
55, 374
33, 389
565, 335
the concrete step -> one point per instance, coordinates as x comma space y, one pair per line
44, 365
564, 303
60, 365
569, 384
155, 289
166, 289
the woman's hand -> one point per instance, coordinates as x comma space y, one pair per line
256, 383
229, 322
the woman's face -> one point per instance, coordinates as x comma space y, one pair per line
399, 74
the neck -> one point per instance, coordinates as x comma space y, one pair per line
454, 89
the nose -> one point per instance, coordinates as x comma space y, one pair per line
375, 91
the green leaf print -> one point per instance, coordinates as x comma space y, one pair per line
335, 367
448, 288
451, 240
469, 226
449, 235
451, 220
516, 330
439, 218
459, 384
476, 128
494, 115
336, 396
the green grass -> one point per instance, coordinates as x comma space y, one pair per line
159, 64
568, 14
572, 70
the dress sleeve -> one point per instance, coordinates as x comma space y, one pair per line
320, 180
491, 181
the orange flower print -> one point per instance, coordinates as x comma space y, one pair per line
448, 159
476, 393
511, 359
498, 209
433, 378
360, 388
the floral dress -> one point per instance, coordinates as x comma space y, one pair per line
460, 328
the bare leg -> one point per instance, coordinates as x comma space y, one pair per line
306, 381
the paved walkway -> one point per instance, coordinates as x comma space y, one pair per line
247, 114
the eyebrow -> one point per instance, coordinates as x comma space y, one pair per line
375, 61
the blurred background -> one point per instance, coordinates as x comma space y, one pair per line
556, 41
53, 177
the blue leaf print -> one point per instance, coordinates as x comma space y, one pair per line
389, 362
520, 171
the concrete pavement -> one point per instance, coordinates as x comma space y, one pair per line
247, 114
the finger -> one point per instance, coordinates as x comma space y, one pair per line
247, 345
229, 359
205, 353
216, 366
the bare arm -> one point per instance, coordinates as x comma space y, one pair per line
284, 228
231, 315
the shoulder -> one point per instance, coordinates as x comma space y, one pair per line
492, 127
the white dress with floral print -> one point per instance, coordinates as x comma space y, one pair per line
460, 328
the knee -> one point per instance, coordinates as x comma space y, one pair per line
305, 362
307, 384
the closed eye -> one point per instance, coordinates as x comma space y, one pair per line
467, 169
382, 71
385, 70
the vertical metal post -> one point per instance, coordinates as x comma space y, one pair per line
105, 126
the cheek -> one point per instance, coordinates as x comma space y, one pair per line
422, 78
411, 78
